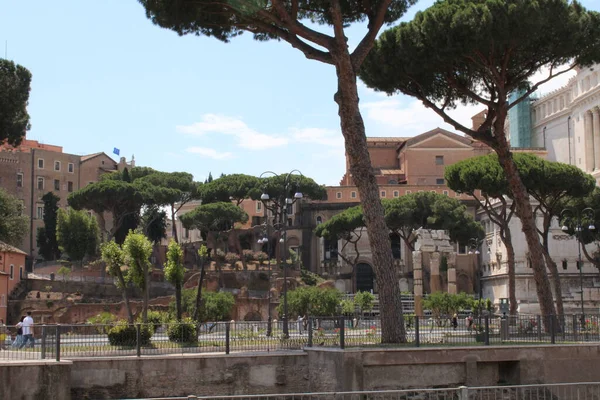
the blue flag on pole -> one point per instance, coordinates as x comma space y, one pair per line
116, 151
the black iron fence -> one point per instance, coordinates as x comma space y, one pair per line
86, 340
345, 332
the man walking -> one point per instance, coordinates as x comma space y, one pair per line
27, 330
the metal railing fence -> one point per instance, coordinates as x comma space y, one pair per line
121, 339
560, 391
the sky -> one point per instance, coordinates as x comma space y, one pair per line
105, 77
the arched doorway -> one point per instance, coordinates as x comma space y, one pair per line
364, 277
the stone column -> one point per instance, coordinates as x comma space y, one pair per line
434, 266
418, 282
588, 141
451, 257
596, 130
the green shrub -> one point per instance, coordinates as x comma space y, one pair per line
182, 331
104, 320
155, 319
124, 334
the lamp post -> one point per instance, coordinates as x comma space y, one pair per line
575, 220
474, 245
280, 207
262, 241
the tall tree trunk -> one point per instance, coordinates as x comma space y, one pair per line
178, 299
353, 129
173, 226
555, 276
125, 295
525, 214
146, 295
506, 236
199, 294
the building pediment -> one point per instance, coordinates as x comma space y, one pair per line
439, 139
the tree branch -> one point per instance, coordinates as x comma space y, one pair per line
537, 85
366, 44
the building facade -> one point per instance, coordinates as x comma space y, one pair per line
12, 270
563, 250
567, 121
33, 169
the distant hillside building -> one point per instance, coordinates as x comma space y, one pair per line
33, 169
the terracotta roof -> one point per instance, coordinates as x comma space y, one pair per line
7, 248
90, 156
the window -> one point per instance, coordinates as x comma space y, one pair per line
457, 194
565, 264
445, 193
40, 163
396, 193
186, 233
19, 180
40, 212
21, 273
408, 192
319, 220
70, 186
258, 206
330, 248
383, 193
290, 222
353, 195
56, 184
396, 246
579, 264
439, 160
71, 167
439, 181
57, 165
40, 183
12, 272
392, 182
289, 209
461, 248
338, 195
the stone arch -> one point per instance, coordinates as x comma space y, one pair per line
293, 241
253, 316
365, 277
463, 283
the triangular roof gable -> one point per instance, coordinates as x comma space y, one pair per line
91, 156
439, 133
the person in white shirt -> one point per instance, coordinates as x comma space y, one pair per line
27, 330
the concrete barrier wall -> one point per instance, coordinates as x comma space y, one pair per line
386, 369
34, 380
184, 375
316, 370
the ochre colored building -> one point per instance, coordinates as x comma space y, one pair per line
12, 270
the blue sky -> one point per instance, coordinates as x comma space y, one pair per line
104, 76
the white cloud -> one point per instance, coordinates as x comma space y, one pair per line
413, 118
247, 137
210, 153
323, 137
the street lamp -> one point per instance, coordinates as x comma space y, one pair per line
474, 245
262, 241
280, 207
577, 219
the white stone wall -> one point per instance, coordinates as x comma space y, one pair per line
567, 122
562, 247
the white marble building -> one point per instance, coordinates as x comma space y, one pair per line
563, 250
567, 122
